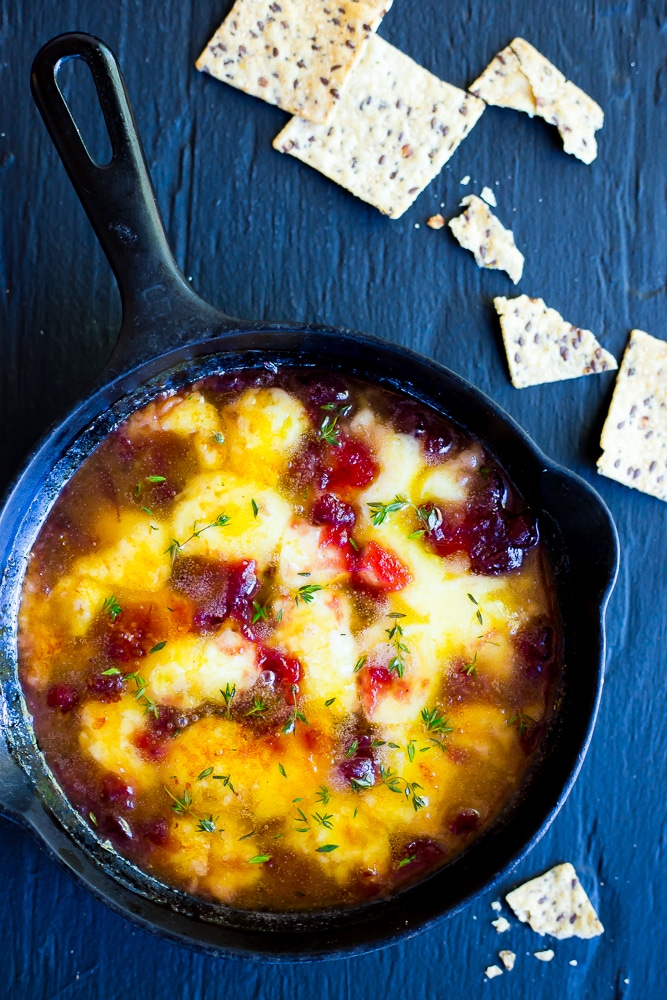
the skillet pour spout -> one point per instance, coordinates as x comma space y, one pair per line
169, 338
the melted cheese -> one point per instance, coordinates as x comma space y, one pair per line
193, 670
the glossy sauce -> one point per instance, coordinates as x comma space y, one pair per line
288, 640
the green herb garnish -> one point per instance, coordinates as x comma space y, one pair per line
395, 634
307, 592
112, 607
157, 647
327, 848
329, 430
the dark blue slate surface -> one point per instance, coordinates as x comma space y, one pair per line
265, 237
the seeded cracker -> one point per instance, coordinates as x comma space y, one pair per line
634, 437
521, 78
395, 128
542, 347
293, 53
477, 229
556, 903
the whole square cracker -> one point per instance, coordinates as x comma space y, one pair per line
556, 904
297, 54
522, 78
542, 347
395, 128
477, 229
634, 437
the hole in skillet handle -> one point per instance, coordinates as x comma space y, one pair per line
77, 86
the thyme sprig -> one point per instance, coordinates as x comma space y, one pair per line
183, 806
395, 634
428, 518
228, 696
258, 706
329, 429
261, 612
176, 546
324, 820
306, 593
478, 614
522, 721
112, 607
435, 722
399, 785
140, 693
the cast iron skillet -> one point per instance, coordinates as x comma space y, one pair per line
168, 338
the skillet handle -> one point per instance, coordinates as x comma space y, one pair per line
120, 201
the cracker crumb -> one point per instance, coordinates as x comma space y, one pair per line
496, 905
573, 961
491, 971
489, 197
501, 924
435, 222
465, 180
508, 958
544, 956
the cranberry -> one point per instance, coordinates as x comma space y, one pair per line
155, 831
447, 537
242, 586
380, 568
116, 793
465, 821
330, 509
537, 647
105, 687
495, 539
218, 589
359, 762
319, 391
153, 741
374, 680
353, 466
128, 636
420, 856
285, 669
437, 436
237, 380
307, 469
62, 696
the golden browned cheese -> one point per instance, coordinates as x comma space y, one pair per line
261, 649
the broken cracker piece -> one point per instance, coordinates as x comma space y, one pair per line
491, 971
544, 956
477, 229
435, 222
503, 84
395, 128
508, 958
634, 437
542, 347
297, 54
522, 78
556, 903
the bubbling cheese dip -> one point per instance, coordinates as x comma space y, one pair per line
288, 640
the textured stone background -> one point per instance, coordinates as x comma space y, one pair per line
265, 237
